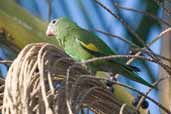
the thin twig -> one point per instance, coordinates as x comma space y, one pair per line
67, 88
147, 52
139, 92
155, 102
125, 24
132, 44
165, 67
118, 37
142, 12
168, 12
122, 108
6, 62
117, 56
148, 44
148, 91
86, 94
153, 41
159, 36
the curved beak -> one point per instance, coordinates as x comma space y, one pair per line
50, 31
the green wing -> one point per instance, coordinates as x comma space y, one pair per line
93, 42
82, 45
97, 47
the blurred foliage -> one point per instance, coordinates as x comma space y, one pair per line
20, 26
146, 23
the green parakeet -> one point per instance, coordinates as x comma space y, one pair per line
81, 45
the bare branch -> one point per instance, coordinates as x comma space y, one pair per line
122, 108
142, 12
125, 24
117, 56
148, 91
139, 92
161, 4
6, 62
118, 37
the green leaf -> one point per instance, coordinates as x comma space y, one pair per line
22, 27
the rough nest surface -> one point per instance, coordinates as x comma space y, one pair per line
44, 80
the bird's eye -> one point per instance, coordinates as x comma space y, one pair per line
54, 21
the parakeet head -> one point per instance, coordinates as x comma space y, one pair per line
60, 28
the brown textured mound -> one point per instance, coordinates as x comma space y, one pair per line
44, 80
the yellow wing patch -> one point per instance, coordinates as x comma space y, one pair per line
89, 46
